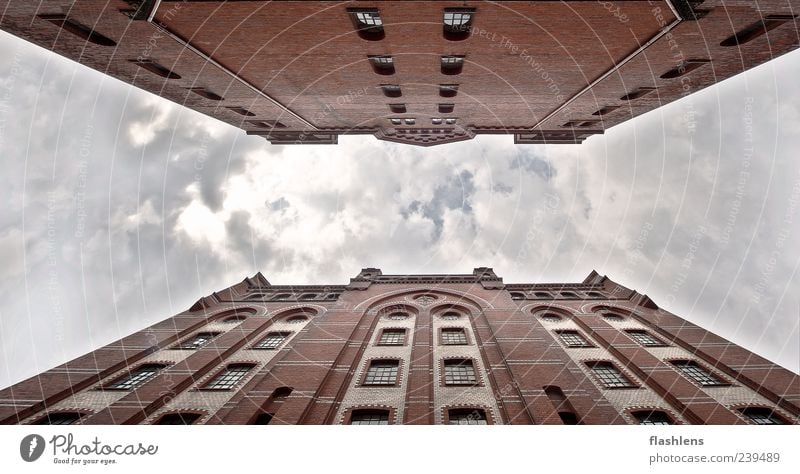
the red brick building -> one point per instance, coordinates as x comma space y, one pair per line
422, 72
415, 349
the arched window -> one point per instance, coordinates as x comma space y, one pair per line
296, 319
762, 416
542, 294
281, 297
594, 294
614, 317
369, 417
652, 417
457, 23
197, 341
178, 419
368, 23
450, 316
551, 317
308, 296
60, 418
448, 90
568, 294
516, 295
398, 316
391, 90
235, 319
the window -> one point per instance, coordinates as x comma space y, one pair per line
459, 372
382, 372
457, 23
368, 23
762, 416
635, 94
606, 110
515, 295
436, 121
281, 297
369, 417
296, 319
197, 341
450, 316
78, 29
609, 375
573, 339
60, 418
396, 121
757, 29
229, 377
644, 338
266, 124
241, 111
448, 90
613, 317
398, 316
692, 370
155, 68
234, 319
450, 121
391, 90
137, 377
308, 296
568, 294
205, 93
383, 65
684, 68
392, 337
551, 317
594, 294
453, 337
463, 416
452, 64
652, 418
446, 108
397, 108
272, 341
541, 294
410, 121
178, 419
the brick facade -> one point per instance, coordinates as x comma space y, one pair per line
524, 371
299, 72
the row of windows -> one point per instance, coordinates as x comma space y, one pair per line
572, 338
554, 318
434, 121
449, 65
756, 415
611, 377
518, 295
397, 337
401, 316
445, 90
225, 379
456, 23
292, 296
456, 372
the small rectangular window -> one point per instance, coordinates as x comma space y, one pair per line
383, 372
609, 375
397, 108
644, 338
197, 341
693, 371
466, 417
459, 372
573, 339
392, 337
453, 336
272, 341
229, 377
370, 417
448, 90
136, 378
452, 64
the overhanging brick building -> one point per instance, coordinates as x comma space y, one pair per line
415, 349
421, 72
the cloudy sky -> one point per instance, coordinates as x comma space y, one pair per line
121, 209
